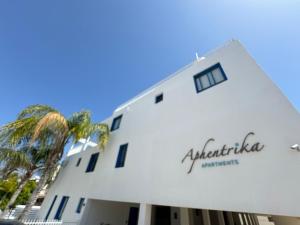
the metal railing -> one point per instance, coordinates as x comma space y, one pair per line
42, 222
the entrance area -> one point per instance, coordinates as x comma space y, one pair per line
161, 215
165, 215
100, 212
133, 216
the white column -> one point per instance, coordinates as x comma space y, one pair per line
206, 218
254, 216
242, 219
145, 214
221, 218
184, 216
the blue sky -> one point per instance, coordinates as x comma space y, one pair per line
95, 55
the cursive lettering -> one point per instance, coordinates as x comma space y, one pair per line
245, 147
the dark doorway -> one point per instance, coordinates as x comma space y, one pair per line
162, 215
214, 219
133, 216
198, 217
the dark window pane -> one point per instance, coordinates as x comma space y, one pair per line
198, 84
159, 98
218, 76
92, 163
211, 79
61, 208
78, 162
121, 156
51, 206
116, 123
80, 204
204, 81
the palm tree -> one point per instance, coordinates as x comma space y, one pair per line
49, 129
28, 160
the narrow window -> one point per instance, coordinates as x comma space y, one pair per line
80, 204
92, 163
159, 98
121, 156
61, 208
51, 206
209, 77
78, 162
116, 123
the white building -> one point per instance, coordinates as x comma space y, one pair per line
209, 145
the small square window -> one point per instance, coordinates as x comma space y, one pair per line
159, 98
116, 123
78, 162
121, 156
92, 163
209, 77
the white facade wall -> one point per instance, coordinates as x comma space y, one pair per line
160, 135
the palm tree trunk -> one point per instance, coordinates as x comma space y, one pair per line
15, 195
42, 182
4, 196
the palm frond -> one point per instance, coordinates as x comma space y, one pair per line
15, 132
53, 121
80, 125
102, 132
14, 158
36, 111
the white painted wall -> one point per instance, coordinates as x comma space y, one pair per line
159, 135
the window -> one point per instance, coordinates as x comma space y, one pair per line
92, 163
116, 123
121, 156
61, 208
209, 77
51, 206
78, 162
159, 98
80, 204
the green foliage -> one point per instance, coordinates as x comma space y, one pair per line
26, 193
36, 111
45, 128
7, 188
15, 158
36, 140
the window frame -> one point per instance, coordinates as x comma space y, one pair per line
119, 163
114, 121
92, 162
61, 208
159, 98
206, 73
78, 162
51, 207
80, 205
